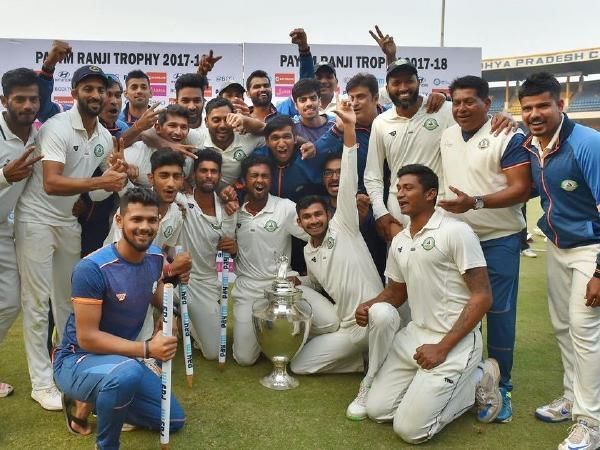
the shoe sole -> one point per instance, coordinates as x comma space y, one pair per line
496, 378
548, 419
355, 418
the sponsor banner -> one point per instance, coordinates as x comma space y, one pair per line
437, 66
544, 59
163, 62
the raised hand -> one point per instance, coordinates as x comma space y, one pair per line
460, 204
207, 62
57, 54
299, 38
148, 119
386, 43
20, 168
345, 112
235, 121
308, 150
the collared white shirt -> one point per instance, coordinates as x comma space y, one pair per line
201, 234
62, 139
342, 264
432, 265
11, 147
263, 238
403, 141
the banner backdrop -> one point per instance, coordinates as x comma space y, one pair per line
163, 62
437, 66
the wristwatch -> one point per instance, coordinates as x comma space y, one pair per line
478, 202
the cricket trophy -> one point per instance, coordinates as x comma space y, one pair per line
281, 323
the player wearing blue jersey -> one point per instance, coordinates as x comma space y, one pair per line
96, 362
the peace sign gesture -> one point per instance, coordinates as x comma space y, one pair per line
207, 63
20, 168
116, 159
386, 43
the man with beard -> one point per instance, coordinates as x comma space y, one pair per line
265, 226
171, 126
565, 164
21, 99
339, 262
138, 93
207, 228
48, 241
311, 125
258, 88
487, 179
96, 362
189, 93
293, 177
406, 134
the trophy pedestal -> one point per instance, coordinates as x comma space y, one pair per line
279, 379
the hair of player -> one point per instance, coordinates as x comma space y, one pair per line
113, 81
276, 123
207, 154
172, 110
256, 74
166, 157
16, 78
191, 80
255, 160
306, 86
140, 195
363, 79
481, 87
331, 157
427, 177
136, 74
217, 102
538, 83
310, 200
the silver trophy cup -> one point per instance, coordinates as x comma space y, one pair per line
281, 323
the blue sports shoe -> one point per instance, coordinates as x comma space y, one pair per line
505, 414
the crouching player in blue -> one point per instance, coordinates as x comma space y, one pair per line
97, 363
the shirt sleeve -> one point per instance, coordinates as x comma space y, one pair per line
4, 183
307, 66
392, 268
346, 213
330, 142
47, 107
287, 107
87, 283
291, 223
514, 154
373, 177
587, 154
464, 247
52, 143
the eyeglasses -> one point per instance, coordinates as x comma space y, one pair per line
328, 173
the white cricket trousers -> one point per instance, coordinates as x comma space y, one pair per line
205, 314
342, 351
10, 301
577, 327
422, 402
46, 255
246, 291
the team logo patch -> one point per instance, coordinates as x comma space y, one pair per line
99, 150
154, 286
271, 225
430, 124
121, 297
330, 242
94, 68
239, 154
569, 185
393, 133
484, 143
76, 147
314, 259
216, 226
168, 232
428, 243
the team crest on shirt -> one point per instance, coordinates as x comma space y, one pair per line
330, 242
99, 150
569, 185
216, 226
168, 232
484, 143
121, 297
430, 124
428, 243
76, 147
271, 225
239, 154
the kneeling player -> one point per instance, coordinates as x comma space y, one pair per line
96, 362
431, 374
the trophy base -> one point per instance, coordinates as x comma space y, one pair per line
279, 379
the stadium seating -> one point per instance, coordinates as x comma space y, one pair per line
497, 95
588, 99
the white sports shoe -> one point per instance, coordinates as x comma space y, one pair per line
581, 437
528, 253
558, 410
48, 398
488, 398
357, 410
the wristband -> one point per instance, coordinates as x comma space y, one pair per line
304, 52
146, 349
48, 70
597, 272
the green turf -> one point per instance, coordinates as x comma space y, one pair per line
231, 409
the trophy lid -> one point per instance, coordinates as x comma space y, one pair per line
281, 286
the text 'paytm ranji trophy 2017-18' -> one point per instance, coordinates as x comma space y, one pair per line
281, 322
